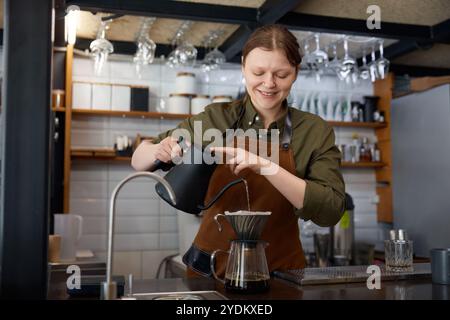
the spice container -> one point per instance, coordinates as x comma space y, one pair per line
185, 83
58, 97
199, 102
178, 103
217, 99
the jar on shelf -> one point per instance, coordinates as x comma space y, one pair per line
199, 102
364, 151
185, 83
217, 99
58, 97
178, 103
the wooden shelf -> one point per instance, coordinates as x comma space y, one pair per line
358, 124
362, 165
79, 154
160, 115
59, 109
131, 114
97, 155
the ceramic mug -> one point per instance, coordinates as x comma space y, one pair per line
440, 265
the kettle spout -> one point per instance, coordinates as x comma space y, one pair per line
220, 193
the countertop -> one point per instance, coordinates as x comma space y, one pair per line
411, 289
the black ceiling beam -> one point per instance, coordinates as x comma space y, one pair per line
441, 32
270, 12
171, 9
233, 45
273, 10
129, 48
417, 71
317, 23
400, 48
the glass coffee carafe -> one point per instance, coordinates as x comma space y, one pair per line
246, 270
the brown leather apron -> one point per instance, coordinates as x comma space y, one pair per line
281, 231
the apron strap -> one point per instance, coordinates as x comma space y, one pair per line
287, 132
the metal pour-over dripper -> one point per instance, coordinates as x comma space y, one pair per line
248, 225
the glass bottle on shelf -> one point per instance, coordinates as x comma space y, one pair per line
376, 155
364, 153
355, 149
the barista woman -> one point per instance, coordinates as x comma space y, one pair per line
307, 183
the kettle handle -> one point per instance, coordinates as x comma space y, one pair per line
216, 219
212, 262
221, 192
166, 166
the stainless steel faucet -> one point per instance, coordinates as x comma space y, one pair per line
109, 287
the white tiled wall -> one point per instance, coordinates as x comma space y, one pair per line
147, 229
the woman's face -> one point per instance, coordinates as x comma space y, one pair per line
268, 77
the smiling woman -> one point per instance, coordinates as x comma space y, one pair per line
306, 184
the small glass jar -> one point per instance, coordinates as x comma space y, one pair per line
398, 255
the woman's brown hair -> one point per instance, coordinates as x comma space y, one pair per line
273, 37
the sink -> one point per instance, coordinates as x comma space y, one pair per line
186, 295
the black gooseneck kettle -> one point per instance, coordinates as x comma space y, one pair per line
190, 179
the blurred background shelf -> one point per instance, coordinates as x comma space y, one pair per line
131, 114
358, 124
362, 165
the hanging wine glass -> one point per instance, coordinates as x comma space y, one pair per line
145, 53
146, 47
373, 67
382, 63
101, 48
335, 64
348, 63
319, 58
213, 60
364, 70
304, 63
186, 54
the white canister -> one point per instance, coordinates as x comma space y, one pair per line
178, 103
199, 102
222, 99
185, 83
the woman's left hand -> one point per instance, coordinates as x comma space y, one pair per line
240, 159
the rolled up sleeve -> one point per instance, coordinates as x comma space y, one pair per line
324, 198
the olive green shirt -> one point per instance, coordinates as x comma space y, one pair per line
316, 156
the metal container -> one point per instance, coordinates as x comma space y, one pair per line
343, 235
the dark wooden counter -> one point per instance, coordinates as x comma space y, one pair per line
422, 289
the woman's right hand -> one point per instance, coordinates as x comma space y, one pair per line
167, 150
